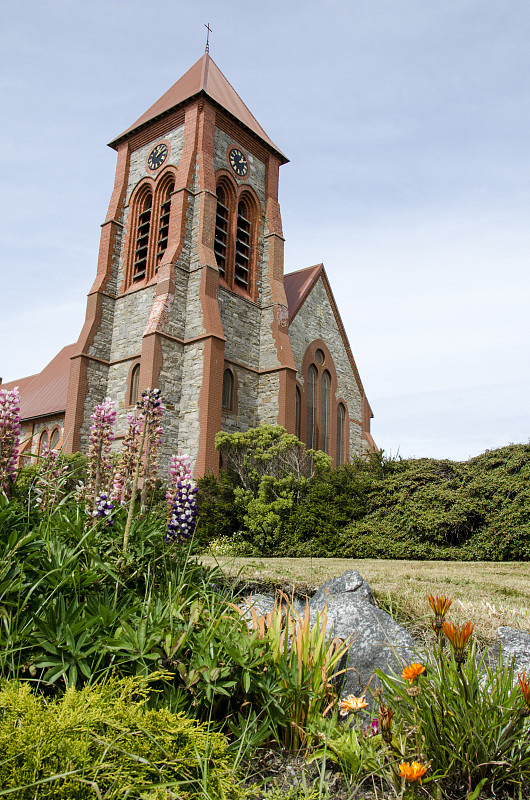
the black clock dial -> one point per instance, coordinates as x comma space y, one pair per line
157, 156
238, 162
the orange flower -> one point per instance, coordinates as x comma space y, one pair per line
525, 689
440, 607
458, 636
413, 671
412, 772
352, 704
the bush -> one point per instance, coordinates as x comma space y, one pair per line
105, 741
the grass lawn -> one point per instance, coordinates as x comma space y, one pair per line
488, 593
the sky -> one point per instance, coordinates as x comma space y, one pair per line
407, 127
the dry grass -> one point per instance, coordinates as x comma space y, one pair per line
490, 594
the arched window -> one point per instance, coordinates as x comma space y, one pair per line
228, 390
243, 240
163, 223
54, 439
298, 414
311, 406
135, 385
221, 231
43, 441
341, 427
325, 408
142, 238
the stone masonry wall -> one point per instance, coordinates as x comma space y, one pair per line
245, 414
192, 366
316, 320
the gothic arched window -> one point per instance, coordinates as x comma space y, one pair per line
341, 427
325, 409
298, 414
163, 223
43, 442
135, 385
311, 406
235, 230
228, 390
54, 438
220, 246
143, 228
243, 242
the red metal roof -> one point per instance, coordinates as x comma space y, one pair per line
204, 76
298, 285
45, 393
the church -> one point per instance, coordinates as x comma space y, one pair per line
190, 296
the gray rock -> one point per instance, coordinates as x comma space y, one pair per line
378, 642
513, 644
351, 581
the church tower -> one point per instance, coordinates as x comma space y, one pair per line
189, 294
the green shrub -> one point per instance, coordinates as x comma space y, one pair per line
104, 741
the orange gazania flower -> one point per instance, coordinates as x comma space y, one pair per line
458, 636
411, 672
525, 689
412, 772
352, 704
440, 606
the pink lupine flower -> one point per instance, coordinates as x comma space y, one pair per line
9, 434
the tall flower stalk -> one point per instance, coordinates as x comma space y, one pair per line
99, 465
127, 461
9, 435
182, 500
151, 410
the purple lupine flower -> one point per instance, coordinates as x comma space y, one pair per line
9, 434
104, 508
99, 463
182, 499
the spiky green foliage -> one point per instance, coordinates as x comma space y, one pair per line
105, 742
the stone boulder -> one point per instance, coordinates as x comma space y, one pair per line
515, 645
378, 641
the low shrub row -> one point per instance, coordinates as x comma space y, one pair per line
477, 510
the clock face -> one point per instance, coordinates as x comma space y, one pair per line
157, 156
238, 162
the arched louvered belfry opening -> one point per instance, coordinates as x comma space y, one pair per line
222, 223
163, 221
143, 229
243, 246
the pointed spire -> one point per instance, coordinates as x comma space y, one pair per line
203, 77
209, 30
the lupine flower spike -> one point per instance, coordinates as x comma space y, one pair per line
9, 435
525, 689
412, 771
458, 637
182, 500
440, 607
351, 705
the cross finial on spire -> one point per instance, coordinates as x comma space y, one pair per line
207, 48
